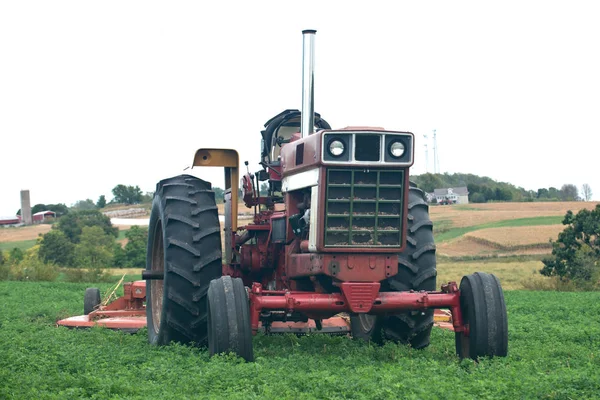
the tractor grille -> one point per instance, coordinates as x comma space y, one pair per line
364, 208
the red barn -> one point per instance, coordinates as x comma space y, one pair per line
10, 220
42, 216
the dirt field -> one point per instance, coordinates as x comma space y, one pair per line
476, 214
518, 236
522, 240
465, 246
23, 232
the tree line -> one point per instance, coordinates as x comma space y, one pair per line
122, 194
87, 239
483, 189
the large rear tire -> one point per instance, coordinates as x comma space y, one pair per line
184, 243
416, 271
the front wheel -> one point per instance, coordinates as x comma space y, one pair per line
484, 312
229, 328
91, 300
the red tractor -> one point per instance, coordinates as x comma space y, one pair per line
341, 230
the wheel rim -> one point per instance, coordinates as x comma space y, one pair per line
366, 322
157, 286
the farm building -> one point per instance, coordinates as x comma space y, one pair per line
458, 195
6, 221
42, 216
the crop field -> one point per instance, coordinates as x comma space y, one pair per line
476, 214
513, 275
11, 234
554, 352
516, 237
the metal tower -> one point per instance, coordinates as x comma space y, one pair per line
436, 161
426, 154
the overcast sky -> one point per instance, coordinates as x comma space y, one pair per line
95, 94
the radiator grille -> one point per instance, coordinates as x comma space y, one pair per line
364, 208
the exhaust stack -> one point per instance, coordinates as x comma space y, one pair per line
308, 68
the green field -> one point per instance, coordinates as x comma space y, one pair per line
26, 244
554, 352
22, 244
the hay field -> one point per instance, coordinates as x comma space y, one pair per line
23, 232
518, 236
512, 275
457, 216
472, 236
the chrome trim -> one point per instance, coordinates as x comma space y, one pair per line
314, 213
300, 180
307, 126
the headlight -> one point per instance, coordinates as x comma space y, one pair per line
336, 148
397, 149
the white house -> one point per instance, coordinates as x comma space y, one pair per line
457, 195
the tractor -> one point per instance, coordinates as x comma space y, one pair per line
341, 231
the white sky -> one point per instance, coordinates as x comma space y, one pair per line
95, 94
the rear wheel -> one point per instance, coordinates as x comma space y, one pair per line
484, 311
229, 328
416, 271
91, 300
184, 244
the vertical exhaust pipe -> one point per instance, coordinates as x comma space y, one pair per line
308, 70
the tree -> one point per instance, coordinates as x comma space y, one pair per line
428, 182
542, 193
477, 198
219, 194
60, 209
553, 193
568, 192
16, 255
576, 252
147, 197
1, 257
72, 224
95, 248
127, 194
503, 194
56, 248
264, 189
134, 254
586, 192
86, 204
101, 203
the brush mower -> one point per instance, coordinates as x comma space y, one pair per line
341, 231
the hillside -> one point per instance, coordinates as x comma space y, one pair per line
499, 229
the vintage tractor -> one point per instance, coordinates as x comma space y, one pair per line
341, 230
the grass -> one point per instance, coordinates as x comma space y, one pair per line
122, 233
22, 244
453, 233
553, 353
512, 275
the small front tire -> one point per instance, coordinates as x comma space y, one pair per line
229, 328
484, 312
91, 300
